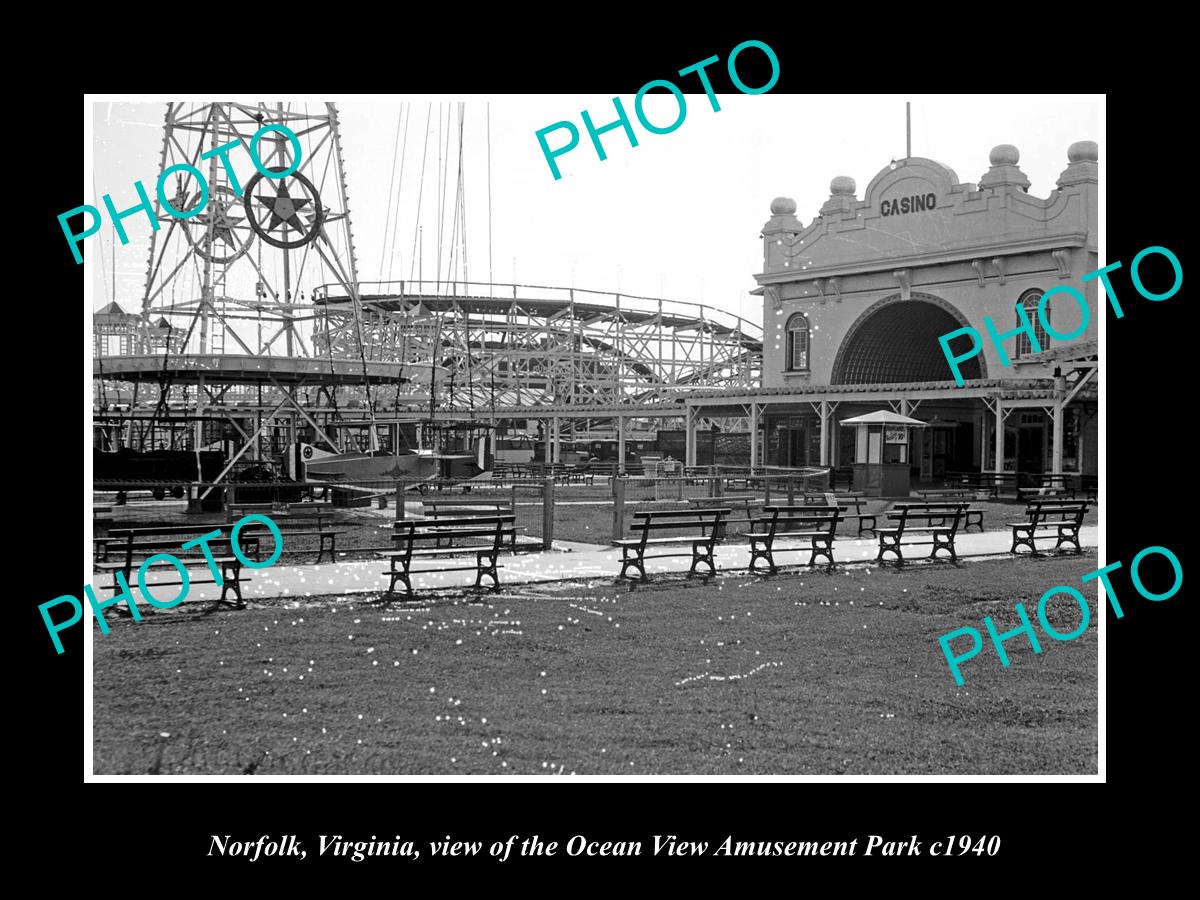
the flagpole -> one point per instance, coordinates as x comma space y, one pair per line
907, 130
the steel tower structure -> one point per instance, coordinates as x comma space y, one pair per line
265, 279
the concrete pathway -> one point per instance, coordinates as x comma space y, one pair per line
566, 561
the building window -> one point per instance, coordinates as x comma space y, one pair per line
1030, 300
797, 343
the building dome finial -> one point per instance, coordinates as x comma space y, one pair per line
1004, 155
783, 206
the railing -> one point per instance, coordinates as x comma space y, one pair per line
618, 302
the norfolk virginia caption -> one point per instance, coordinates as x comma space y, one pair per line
579, 845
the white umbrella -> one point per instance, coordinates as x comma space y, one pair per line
884, 417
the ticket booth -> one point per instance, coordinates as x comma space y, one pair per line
881, 453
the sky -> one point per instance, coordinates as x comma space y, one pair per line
677, 217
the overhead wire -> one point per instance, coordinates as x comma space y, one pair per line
420, 194
399, 188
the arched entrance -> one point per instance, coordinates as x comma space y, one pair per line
896, 341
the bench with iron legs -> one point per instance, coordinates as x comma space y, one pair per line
1089, 486
703, 531
844, 474
134, 546
971, 517
992, 482
817, 524
298, 520
484, 537
741, 503
1060, 487
846, 501
600, 470
1060, 519
469, 509
1044, 492
942, 495
941, 520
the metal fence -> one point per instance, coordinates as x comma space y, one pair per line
361, 512
740, 486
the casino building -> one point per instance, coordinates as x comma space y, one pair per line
854, 303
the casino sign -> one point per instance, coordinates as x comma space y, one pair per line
904, 205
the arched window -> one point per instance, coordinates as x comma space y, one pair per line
1029, 300
797, 343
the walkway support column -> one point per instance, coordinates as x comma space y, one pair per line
690, 436
754, 414
1056, 451
547, 513
620, 445
824, 432
999, 434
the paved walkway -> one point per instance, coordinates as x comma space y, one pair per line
566, 561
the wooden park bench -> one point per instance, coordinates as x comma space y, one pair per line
510, 472
582, 474
1049, 486
133, 546
484, 537
845, 498
846, 501
294, 520
469, 509
1089, 486
817, 524
1060, 519
971, 517
992, 482
743, 503
838, 476
601, 470
936, 495
702, 530
941, 521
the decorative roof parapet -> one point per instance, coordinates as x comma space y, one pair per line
783, 218
1082, 156
842, 198
1004, 169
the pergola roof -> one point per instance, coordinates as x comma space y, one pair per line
1079, 351
229, 368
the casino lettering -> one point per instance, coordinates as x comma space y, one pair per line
915, 203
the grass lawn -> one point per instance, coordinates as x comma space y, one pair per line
801, 673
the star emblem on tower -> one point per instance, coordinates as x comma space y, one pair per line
284, 208
287, 214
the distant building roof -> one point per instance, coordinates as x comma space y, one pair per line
113, 309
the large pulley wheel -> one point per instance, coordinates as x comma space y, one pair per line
228, 229
290, 203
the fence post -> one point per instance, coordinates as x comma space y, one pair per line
618, 522
717, 488
399, 500
547, 512
766, 487
791, 490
